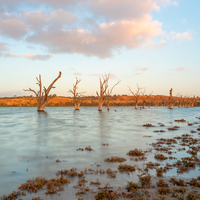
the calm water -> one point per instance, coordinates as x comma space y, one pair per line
34, 140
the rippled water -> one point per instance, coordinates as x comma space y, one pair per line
34, 140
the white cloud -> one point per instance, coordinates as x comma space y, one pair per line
3, 47
181, 36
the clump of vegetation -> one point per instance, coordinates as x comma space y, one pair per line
135, 152
148, 125
160, 157
128, 168
159, 131
82, 190
111, 173
194, 182
179, 182
152, 165
145, 180
160, 171
58, 160
36, 198
163, 190
139, 158
174, 128
162, 183
80, 149
33, 185
96, 183
55, 185
180, 120
192, 196
107, 194
71, 172
132, 186
88, 148
115, 159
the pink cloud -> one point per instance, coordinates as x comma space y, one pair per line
102, 41
13, 28
179, 69
78, 74
141, 69
112, 75
29, 56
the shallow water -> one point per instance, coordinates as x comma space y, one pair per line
31, 141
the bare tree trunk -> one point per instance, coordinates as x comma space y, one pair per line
136, 106
170, 100
77, 105
108, 105
100, 106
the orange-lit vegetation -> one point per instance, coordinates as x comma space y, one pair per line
123, 100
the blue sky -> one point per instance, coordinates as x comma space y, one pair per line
153, 43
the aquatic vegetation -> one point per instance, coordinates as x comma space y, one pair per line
132, 186
160, 171
192, 196
174, 128
82, 190
88, 148
135, 152
115, 159
96, 183
33, 185
152, 165
111, 173
162, 183
128, 168
145, 180
160, 157
180, 120
179, 182
163, 190
148, 125
194, 182
56, 184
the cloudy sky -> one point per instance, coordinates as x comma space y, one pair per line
153, 43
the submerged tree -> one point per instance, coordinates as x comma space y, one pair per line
109, 93
103, 89
144, 98
42, 95
170, 99
77, 95
136, 95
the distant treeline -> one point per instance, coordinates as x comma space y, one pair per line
123, 100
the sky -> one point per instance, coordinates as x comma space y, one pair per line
150, 43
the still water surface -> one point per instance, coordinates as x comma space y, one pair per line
31, 141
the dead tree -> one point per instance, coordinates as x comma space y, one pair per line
42, 96
192, 101
103, 89
150, 97
136, 95
180, 100
144, 98
108, 95
77, 95
170, 100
